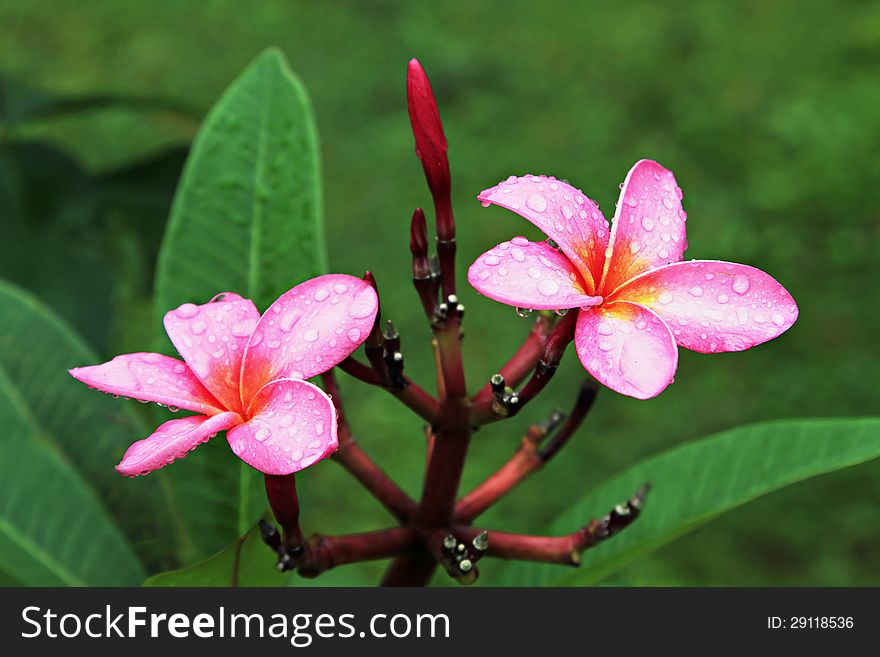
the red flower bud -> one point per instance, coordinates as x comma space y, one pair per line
431, 143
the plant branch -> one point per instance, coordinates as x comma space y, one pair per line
531, 456
283, 499
523, 361
565, 549
321, 553
508, 404
355, 460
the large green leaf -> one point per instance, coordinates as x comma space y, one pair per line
698, 481
87, 430
53, 528
246, 562
246, 218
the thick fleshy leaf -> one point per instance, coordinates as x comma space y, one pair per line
150, 377
173, 440
698, 481
212, 339
529, 275
308, 330
563, 213
714, 306
292, 426
626, 347
648, 229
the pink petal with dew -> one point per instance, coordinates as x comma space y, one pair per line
648, 229
308, 330
212, 339
714, 306
626, 347
173, 440
150, 378
529, 275
563, 213
292, 426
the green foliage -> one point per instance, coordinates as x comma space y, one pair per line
246, 218
768, 113
57, 442
694, 483
245, 562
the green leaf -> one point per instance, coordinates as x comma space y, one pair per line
246, 562
245, 219
697, 482
53, 528
88, 432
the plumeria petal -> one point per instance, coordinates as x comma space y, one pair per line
292, 426
308, 330
648, 229
626, 347
563, 213
529, 275
150, 378
173, 440
212, 339
714, 306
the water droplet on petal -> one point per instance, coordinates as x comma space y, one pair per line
534, 272
198, 327
319, 428
648, 223
187, 310
548, 287
289, 318
491, 260
519, 241
363, 305
778, 319
665, 297
634, 247
244, 328
322, 294
741, 284
561, 312
311, 335
722, 298
537, 203
696, 291
523, 312
518, 255
262, 434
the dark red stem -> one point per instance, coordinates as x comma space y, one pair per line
281, 492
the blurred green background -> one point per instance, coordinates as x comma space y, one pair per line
768, 113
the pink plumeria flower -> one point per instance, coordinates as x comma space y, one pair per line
637, 300
245, 374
